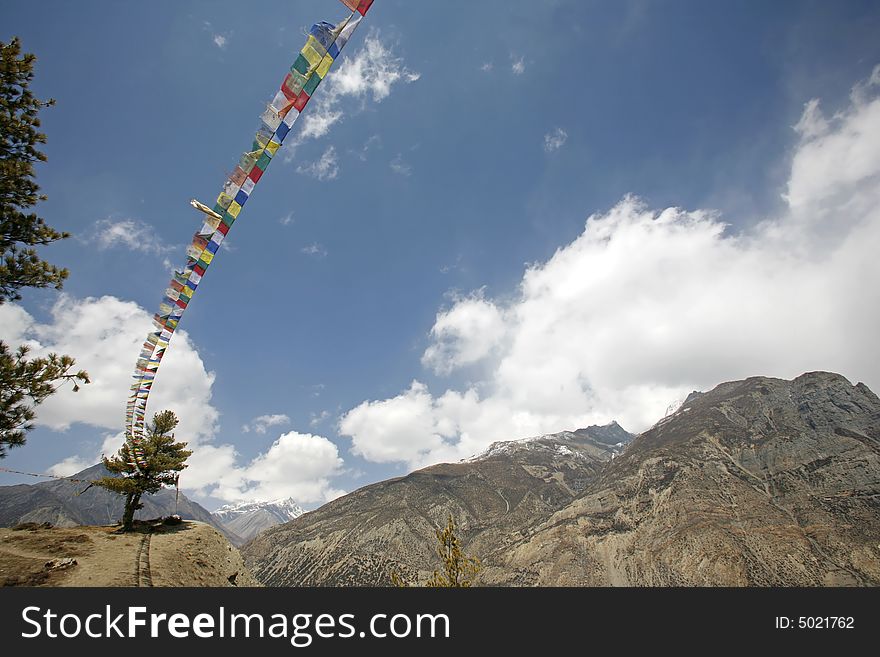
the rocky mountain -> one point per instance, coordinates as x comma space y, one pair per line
761, 482
66, 503
495, 497
247, 519
758, 482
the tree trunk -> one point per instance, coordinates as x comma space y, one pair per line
132, 504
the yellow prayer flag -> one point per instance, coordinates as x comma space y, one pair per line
233, 209
324, 66
313, 51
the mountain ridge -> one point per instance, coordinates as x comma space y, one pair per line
249, 518
762, 481
504, 490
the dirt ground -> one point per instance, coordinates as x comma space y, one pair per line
189, 554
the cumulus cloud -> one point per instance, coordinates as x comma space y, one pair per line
105, 335
518, 65
262, 423
296, 465
486, 67
131, 234
220, 41
324, 168
406, 429
464, 334
646, 305
554, 140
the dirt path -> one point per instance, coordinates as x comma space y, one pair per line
189, 554
143, 577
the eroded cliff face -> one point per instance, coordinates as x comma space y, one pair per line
758, 482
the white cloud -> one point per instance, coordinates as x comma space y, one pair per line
263, 422
324, 168
373, 141
70, 466
399, 166
554, 140
835, 155
406, 429
287, 219
314, 249
464, 334
104, 335
296, 465
812, 122
318, 418
645, 306
371, 73
486, 67
219, 39
518, 66
131, 234
447, 267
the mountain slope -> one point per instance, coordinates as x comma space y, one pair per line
247, 519
361, 537
65, 503
757, 482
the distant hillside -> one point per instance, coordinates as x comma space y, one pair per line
359, 538
64, 503
761, 482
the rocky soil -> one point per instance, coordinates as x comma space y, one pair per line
189, 554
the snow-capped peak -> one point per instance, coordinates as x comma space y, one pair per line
285, 508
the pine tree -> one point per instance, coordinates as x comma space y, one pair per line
23, 383
21, 229
459, 569
160, 466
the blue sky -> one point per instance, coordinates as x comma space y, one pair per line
406, 256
